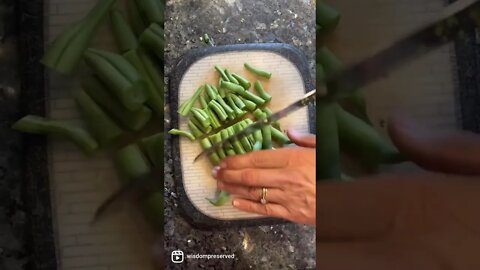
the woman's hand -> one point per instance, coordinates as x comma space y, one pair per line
287, 173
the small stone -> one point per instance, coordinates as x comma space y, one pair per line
291, 249
264, 259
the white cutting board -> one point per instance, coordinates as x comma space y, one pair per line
285, 86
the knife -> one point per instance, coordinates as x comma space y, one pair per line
449, 27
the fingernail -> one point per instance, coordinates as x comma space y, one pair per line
295, 133
235, 203
215, 171
223, 165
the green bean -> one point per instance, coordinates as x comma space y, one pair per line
257, 135
237, 146
194, 129
259, 114
261, 91
230, 77
267, 137
202, 117
154, 71
222, 115
154, 97
103, 128
221, 91
258, 72
214, 119
237, 111
64, 54
243, 82
214, 89
153, 149
120, 76
363, 141
244, 124
206, 144
183, 133
279, 136
137, 19
230, 112
249, 105
122, 31
270, 113
203, 102
131, 163
238, 101
186, 107
328, 149
133, 120
327, 17
39, 125
200, 126
252, 97
151, 40
235, 88
222, 73
244, 141
211, 92
216, 138
153, 10
228, 146
221, 199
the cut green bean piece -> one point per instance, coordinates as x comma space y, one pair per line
221, 91
261, 91
238, 112
133, 120
235, 88
252, 97
230, 77
249, 105
238, 101
220, 199
216, 138
230, 112
153, 149
211, 92
39, 125
258, 72
228, 146
257, 135
243, 82
270, 113
214, 119
279, 136
259, 114
64, 54
267, 138
257, 146
183, 133
153, 41
206, 144
222, 73
244, 141
122, 31
222, 115
203, 102
187, 106
202, 117
194, 129
102, 126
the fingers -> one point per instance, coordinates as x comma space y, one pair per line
304, 140
252, 193
256, 177
269, 209
444, 152
259, 159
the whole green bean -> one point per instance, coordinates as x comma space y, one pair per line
206, 144
261, 91
258, 72
222, 73
183, 133
39, 125
194, 129
103, 128
252, 97
243, 82
230, 77
235, 88
222, 115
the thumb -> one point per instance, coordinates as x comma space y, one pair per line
449, 152
300, 139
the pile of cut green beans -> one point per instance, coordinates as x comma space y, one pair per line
122, 94
213, 107
344, 125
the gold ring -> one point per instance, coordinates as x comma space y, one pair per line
263, 200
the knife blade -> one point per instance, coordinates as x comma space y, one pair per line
443, 30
